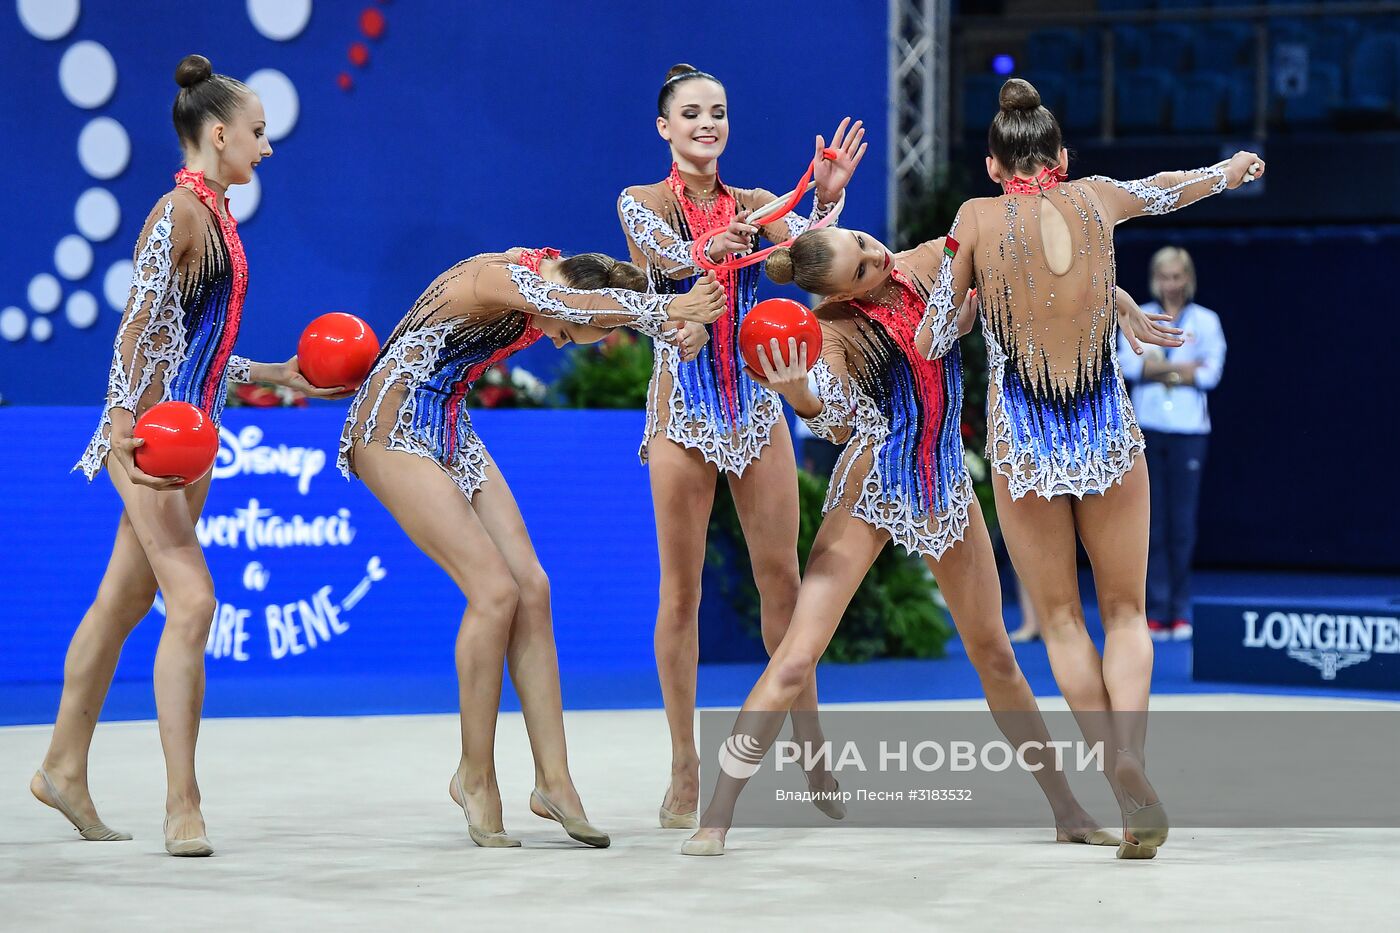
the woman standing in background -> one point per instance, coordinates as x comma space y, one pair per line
1169, 397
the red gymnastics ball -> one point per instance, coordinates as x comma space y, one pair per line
336, 349
180, 440
778, 318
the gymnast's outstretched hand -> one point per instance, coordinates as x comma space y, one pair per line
1139, 327
832, 175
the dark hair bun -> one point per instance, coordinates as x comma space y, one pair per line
680, 69
1018, 94
625, 275
778, 265
192, 70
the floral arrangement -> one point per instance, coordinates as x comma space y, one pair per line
263, 395
505, 386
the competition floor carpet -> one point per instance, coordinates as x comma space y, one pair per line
344, 823
327, 802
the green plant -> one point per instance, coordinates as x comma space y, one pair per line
929, 213
895, 613
610, 374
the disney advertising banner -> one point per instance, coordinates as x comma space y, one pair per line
312, 575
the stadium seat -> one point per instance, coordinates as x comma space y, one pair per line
1125, 6
1055, 50
1142, 99
1168, 47
979, 101
1051, 88
1329, 40
1373, 75
1313, 109
1083, 107
1129, 47
1240, 107
1222, 47
1199, 104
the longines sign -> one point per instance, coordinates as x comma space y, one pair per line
1345, 643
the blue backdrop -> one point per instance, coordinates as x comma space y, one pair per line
312, 574
471, 128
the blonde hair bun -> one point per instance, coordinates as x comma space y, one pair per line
778, 265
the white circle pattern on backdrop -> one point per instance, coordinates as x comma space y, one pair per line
103, 148
279, 20
81, 310
73, 257
97, 214
87, 75
48, 19
13, 324
44, 293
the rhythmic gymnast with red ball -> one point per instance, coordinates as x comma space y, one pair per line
707, 417
410, 439
174, 347
887, 386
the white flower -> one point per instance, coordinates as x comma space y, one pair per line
976, 466
527, 382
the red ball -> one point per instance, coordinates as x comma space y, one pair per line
345, 82
372, 23
359, 54
180, 441
336, 349
778, 318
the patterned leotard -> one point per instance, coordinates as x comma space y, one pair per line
471, 317
176, 338
890, 381
708, 404
1059, 418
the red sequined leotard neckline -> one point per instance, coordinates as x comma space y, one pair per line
1047, 178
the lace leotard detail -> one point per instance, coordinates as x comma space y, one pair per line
471, 317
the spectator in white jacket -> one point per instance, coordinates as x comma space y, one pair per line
1169, 397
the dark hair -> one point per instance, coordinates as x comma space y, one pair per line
807, 262
1024, 136
597, 270
203, 96
678, 75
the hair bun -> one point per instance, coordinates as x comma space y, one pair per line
625, 275
778, 265
1018, 94
192, 70
681, 68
